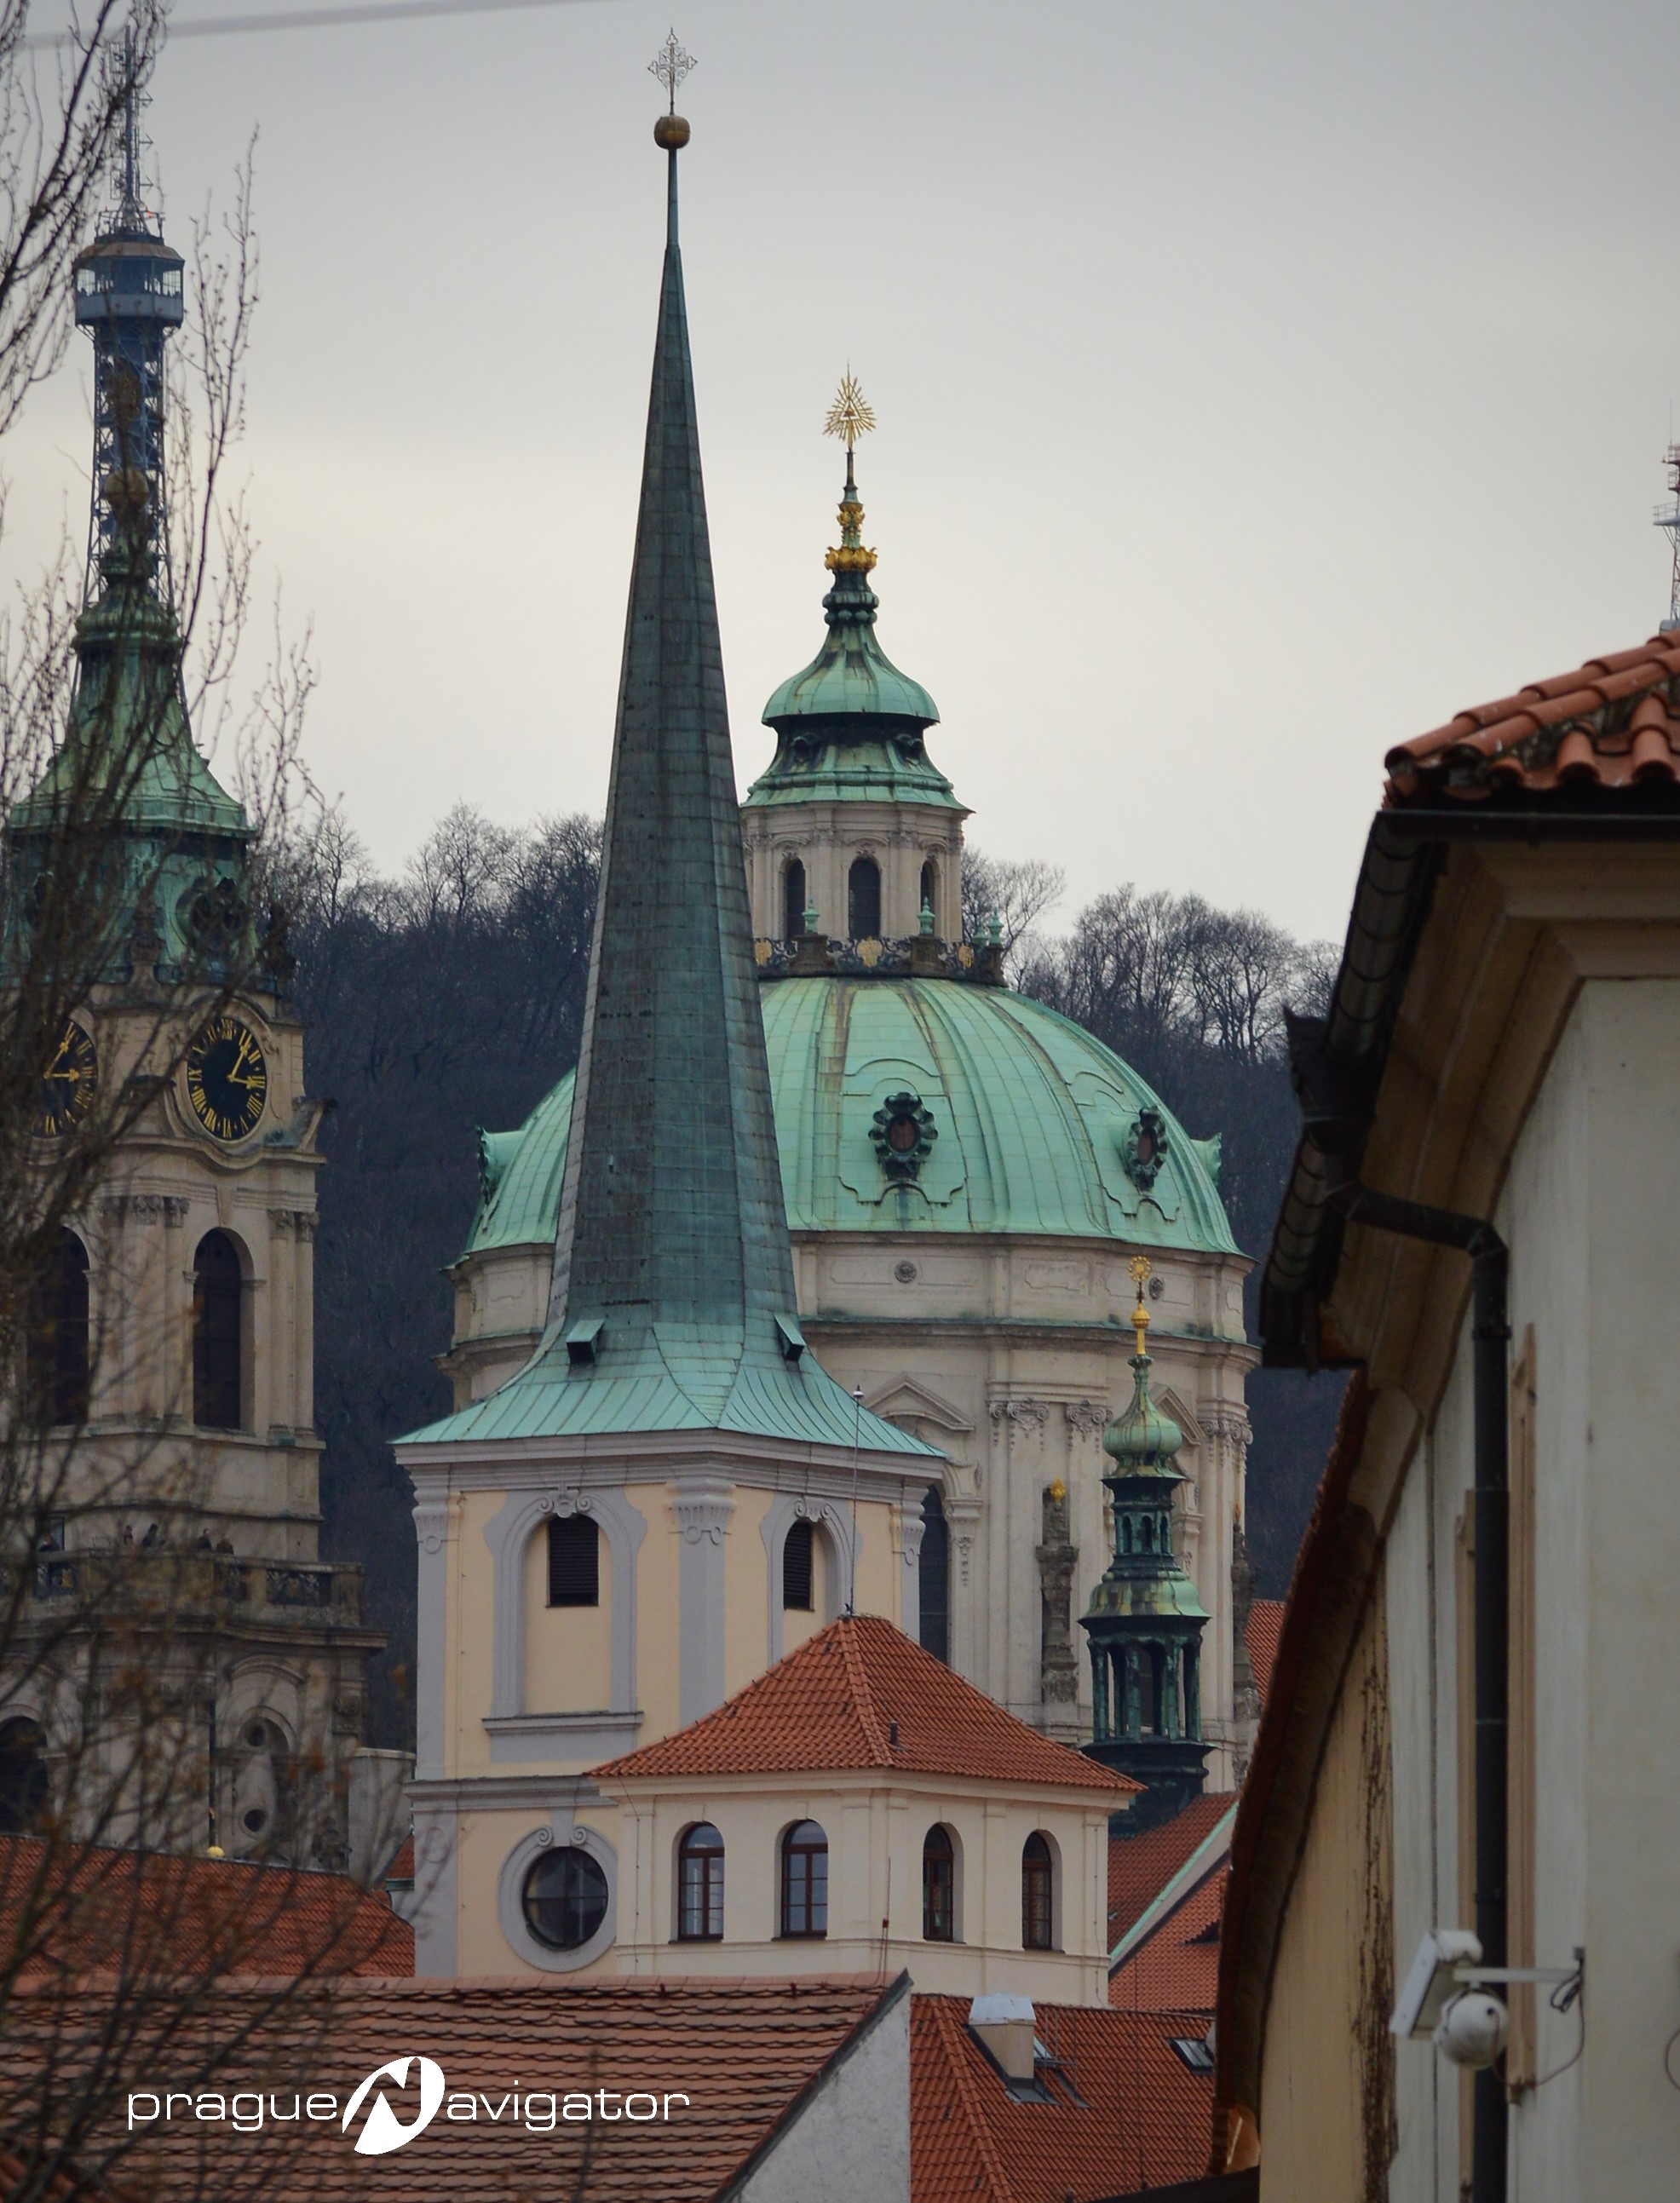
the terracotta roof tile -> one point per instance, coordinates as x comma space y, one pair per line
1124, 2111
837, 1702
1176, 1969
1613, 723
1265, 1626
1141, 1866
86, 1908
743, 2052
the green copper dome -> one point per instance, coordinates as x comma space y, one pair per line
1035, 1125
1143, 1441
850, 727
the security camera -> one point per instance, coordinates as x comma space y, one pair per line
1433, 1982
1473, 2029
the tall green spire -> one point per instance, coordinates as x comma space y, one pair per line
672, 1204
673, 1303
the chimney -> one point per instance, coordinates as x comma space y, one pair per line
1005, 2026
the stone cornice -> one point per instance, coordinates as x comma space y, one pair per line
662, 1458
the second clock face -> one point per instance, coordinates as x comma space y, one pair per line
227, 1078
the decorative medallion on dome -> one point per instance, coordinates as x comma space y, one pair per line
1143, 1148
903, 1134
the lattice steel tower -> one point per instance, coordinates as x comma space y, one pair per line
128, 298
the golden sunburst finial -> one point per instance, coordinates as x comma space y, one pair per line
1140, 1266
851, 415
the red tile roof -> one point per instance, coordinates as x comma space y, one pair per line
1125, 2112
860, 1694
1265, 1625
1176, 1967
83, 1909
1614, 722
743, 2052
1141, 1866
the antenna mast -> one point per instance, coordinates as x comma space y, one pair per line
1667, 517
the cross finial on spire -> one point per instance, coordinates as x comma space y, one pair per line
851, 415
671, 65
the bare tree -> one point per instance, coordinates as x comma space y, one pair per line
1015, 892
135, 908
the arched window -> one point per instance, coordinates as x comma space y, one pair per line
927, 895
805, 1880
938, 1886
793, 900
700, 1886
23, 1776
863, 900
934, 1573
218, 1326
798, 1558
1037, 1879
574, 1561
55, 1350
564, 1897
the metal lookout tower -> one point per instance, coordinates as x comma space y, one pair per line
128, 298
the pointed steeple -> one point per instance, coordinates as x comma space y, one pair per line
672, 1205
674, 1302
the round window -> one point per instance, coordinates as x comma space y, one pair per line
903, 1134
565, 1898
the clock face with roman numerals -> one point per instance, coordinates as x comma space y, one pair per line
227, 1078
70, 1084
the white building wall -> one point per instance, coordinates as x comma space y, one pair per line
1591, 1212
853, 2139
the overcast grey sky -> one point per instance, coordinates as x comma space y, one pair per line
1257, 386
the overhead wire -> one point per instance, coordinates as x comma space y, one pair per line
314, 19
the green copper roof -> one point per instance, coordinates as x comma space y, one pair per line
851, 725
129, 719
1032, 1117
1143, 1441
673, 1303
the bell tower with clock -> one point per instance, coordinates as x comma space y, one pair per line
181, 1387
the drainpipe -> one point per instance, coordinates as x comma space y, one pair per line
1490, 1332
